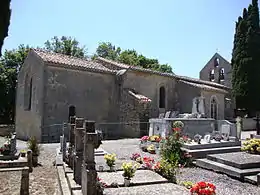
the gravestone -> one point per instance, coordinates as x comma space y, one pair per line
207, 138
225, 132
167, 114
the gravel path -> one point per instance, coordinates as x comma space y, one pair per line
43, 179
225, 185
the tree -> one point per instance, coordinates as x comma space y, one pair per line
5, 15
131, 57
65, 45
245, 60
108, 51
10, 64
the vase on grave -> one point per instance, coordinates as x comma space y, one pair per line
112, 168
127, 182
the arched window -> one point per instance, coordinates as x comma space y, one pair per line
216, 62
213, 108
162, 97
72, 111
212, 75
27, 93
221, 74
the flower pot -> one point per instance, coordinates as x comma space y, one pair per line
127, 182
101, 168
23, 154
112, 168
35, 160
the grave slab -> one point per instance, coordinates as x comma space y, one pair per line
241, 160
142, 177
213, 144
165, 189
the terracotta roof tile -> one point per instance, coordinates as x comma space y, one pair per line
70, 61
185, 78
204, 87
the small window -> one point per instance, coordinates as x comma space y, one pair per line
27, 93
212, 75
216, 62
162, 97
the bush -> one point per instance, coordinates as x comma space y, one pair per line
171, 148
252, 146
34, 146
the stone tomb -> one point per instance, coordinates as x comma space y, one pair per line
241, 165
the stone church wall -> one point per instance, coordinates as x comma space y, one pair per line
148, 85
92, 94
186, 93
28, 122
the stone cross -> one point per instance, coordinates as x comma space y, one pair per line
24, 189
79, 147
89, 173
64, 143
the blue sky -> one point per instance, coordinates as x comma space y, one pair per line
182, 33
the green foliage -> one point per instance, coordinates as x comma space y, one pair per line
168, 170
187, 184
131, 57
34, 146
178, 124
246, 59
65, 45
10, 64
171, 148
5, 15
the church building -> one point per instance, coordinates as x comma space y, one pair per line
120, 98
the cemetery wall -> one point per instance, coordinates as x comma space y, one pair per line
28, 121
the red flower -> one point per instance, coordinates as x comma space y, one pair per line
202, 184
145, 138
177, 129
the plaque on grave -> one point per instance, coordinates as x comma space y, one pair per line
207, 138
161, 115
225, 132
167, 114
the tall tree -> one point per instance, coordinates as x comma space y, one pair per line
246, 60
10, 64
65, 45
5, 15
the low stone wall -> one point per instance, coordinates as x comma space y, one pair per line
6, 130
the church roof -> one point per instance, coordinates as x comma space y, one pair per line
66, 61
204, 87
183, 78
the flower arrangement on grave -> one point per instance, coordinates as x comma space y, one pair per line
129, 170
135, 156
100, 186
203, 188
154, 138
147, 162
151, 149
252, 146
171, 150
144, 139
110, 160
5, 149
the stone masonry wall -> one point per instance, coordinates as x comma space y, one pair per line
28, 122
148, 85
92, 94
